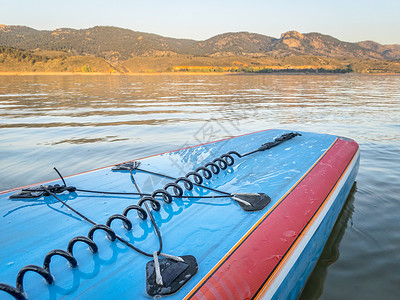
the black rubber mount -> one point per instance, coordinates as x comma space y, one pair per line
174, 274
41, 190
258, 201
132, 165
28, 193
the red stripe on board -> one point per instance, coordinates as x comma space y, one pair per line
256, 258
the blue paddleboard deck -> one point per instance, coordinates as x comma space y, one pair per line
206, 228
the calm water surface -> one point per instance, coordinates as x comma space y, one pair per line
77, 123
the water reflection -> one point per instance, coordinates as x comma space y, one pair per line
112, 138
315, 284
101, 101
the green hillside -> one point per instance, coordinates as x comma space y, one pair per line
261, 64
113, 43
14, 60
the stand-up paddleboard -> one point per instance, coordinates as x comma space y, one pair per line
244, 217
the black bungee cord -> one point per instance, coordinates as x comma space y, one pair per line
144, 194
139, 193
142, 200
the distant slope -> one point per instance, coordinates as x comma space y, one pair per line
234, 43
27, 61
14, 60
387, 51
111, 43
261, 64
293, 42
117, 44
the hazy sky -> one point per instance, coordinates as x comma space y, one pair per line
348, 20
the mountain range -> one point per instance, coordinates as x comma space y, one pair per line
117, 44
106, 49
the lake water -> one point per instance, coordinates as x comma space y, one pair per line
78, 123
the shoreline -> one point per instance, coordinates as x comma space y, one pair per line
12, 73
108, 74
